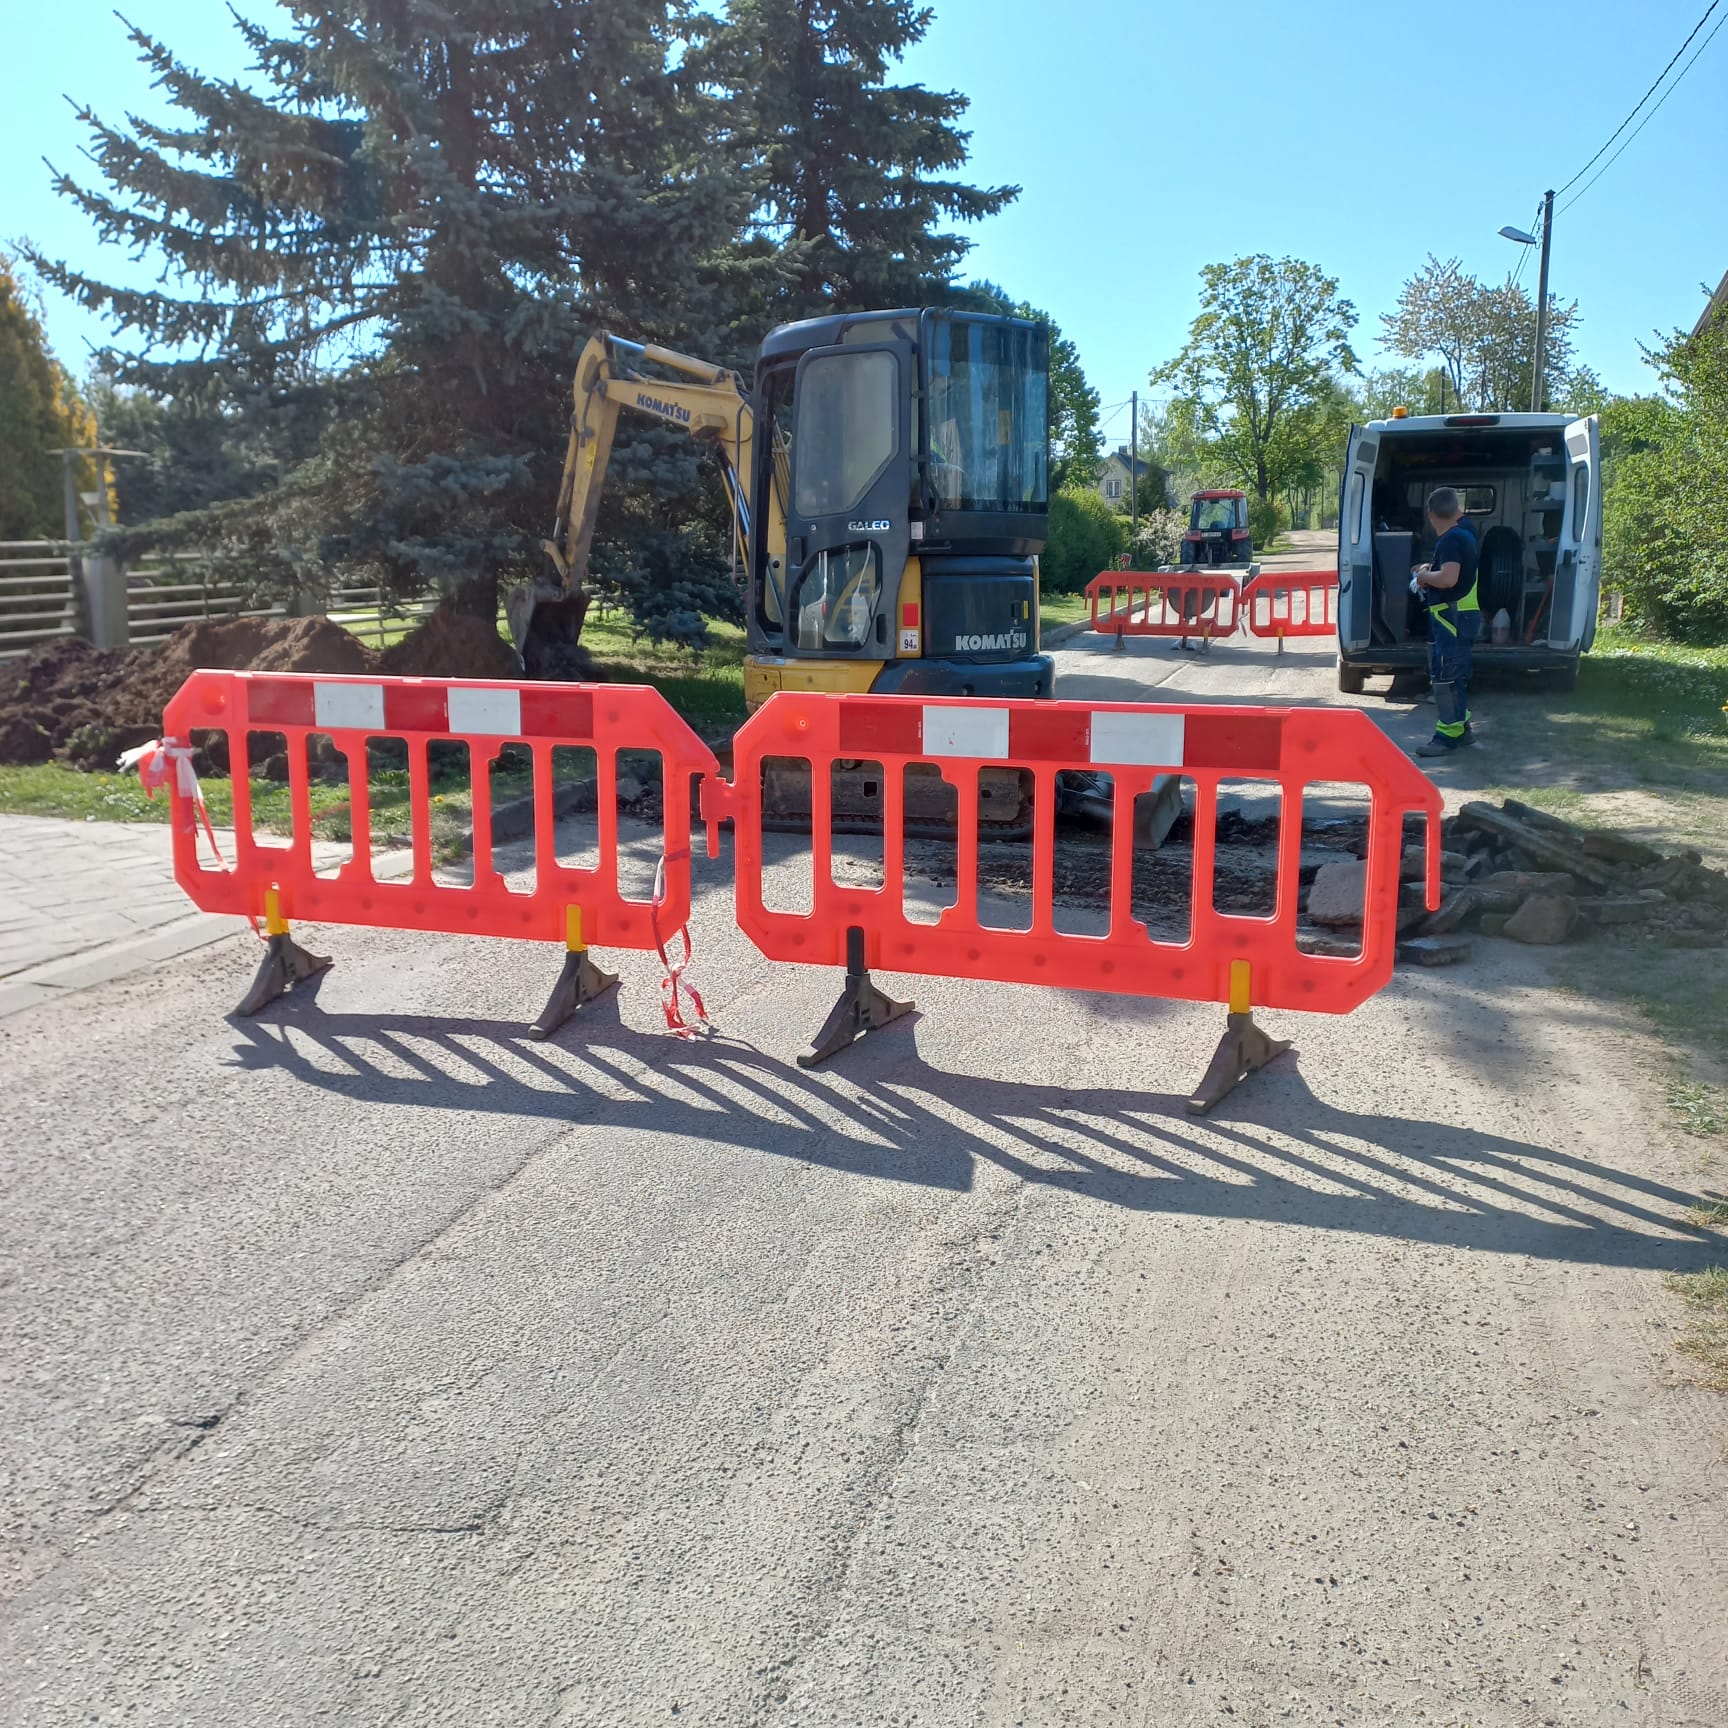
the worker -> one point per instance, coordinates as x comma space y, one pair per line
1446, 585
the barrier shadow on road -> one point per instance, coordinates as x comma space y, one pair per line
1287, 1156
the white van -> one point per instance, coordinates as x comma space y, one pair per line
1531, 488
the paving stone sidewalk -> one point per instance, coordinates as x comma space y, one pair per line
81, 902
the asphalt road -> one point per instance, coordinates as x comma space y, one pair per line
368, 1364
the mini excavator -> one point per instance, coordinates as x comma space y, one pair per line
889, 480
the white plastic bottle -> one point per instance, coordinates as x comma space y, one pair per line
1500, 629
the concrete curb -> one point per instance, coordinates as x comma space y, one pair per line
1064, 633
57, 978
109, 961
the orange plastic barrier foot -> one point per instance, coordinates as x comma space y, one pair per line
285, 965
1242, 1049
862, 1007
580, 981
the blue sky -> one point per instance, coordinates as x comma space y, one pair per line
1152, 138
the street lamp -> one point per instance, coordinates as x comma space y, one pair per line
1521, 238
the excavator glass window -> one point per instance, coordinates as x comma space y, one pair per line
847, 429
774, 498
836, 598
989, 415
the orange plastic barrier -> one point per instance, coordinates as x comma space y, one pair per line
276, 881
1242, 961
1176, 603
1284, 603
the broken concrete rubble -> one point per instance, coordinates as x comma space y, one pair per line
1545, 920
1533, 877
1338, 893
1435, 950
1545, 880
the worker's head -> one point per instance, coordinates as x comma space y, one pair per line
1445, 508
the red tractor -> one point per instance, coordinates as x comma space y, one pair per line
1218, 532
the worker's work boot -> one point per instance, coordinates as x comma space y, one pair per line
1441, 745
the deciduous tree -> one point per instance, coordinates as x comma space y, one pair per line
1259, 366
1484, 336
1665, 528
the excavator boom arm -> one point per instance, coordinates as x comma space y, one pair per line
707, 401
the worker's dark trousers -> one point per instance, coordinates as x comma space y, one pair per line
1451, 640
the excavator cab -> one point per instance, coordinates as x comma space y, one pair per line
902, 490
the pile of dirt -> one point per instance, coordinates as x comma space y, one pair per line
69, 702
450, 645
84, 705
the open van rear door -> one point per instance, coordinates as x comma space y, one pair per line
1356, 542
1573, 624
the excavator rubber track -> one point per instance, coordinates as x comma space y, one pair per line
931, 803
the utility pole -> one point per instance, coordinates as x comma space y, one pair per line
1538, 378
1134, 468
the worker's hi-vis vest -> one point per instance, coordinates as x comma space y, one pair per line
1466, 597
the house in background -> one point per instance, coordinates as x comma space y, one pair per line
1115, 479
1718, 304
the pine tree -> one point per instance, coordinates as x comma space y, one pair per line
850, 167
382, 261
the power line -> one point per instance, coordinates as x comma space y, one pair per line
1657, 109
1641, 101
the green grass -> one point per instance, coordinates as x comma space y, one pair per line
1665, 703
1642, 743
707, 688
1706, 1337
53, 789
1699, 1109
1565, 801
1055, 610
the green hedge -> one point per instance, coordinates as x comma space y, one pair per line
1086, 536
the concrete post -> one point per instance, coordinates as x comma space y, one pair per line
104, 598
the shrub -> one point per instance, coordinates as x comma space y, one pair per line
1660, 546
1665, 522
1268, 519
1085, 537
1159, 539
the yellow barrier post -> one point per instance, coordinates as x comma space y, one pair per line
579, 982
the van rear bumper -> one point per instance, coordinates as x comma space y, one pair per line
1514, 657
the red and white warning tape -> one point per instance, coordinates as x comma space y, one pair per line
158, 759
673, 988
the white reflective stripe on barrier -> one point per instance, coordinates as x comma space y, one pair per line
1137, 740
348, 707
965, 731
486, 713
